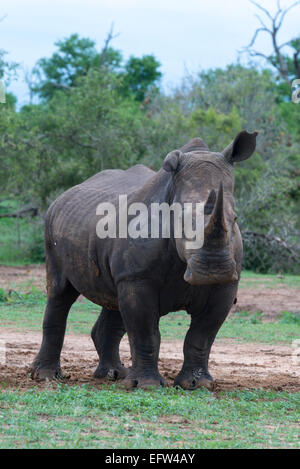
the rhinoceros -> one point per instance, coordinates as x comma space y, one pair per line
138, 280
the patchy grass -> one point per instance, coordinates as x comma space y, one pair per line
22, 239
253, 329
25, 311
84, 417
87, 417
253, 280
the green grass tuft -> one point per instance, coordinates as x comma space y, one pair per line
84, 417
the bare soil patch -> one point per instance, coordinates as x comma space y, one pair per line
234, 366
270, 301
22, 277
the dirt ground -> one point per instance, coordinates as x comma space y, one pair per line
21, 278
234, 366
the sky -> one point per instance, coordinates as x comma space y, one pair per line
185, 35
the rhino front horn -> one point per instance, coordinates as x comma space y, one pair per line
216, 229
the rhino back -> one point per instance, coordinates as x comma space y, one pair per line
77, 206
70, 227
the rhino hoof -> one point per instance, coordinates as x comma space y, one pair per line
143, 382
150, 383
191, 381
47, 374
112, 374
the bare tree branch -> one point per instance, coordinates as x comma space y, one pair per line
264, 27
276, 23
109, 38
297, 61
60, 85
33, 211
285, 11
262, 9
255, 36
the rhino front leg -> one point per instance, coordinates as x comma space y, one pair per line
139, 308
107, 334
204, 327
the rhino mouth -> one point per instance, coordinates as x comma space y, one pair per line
206, 275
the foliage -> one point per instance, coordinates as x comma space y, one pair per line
3, 296
12, 297
290, 318
76, 57
140, 76
8, 70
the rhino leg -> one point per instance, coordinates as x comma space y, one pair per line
204, 327
139, 308
61, 296
107, 334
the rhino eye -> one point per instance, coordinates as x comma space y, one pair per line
235, 218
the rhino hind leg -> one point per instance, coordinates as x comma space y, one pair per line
107, 334
61, 296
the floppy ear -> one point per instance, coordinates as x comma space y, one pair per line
172, 161
242, 147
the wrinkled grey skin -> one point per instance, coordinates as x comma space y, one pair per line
138, 281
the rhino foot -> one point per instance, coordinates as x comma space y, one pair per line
111, 373
47, 373
143, 381
194, 379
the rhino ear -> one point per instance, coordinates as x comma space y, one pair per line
172, 161
242, 147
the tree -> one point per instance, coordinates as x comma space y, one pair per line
287, 67
8, 70
74, 58
141, 75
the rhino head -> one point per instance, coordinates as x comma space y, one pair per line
200, 175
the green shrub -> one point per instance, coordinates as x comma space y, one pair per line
290, 318
3, 295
